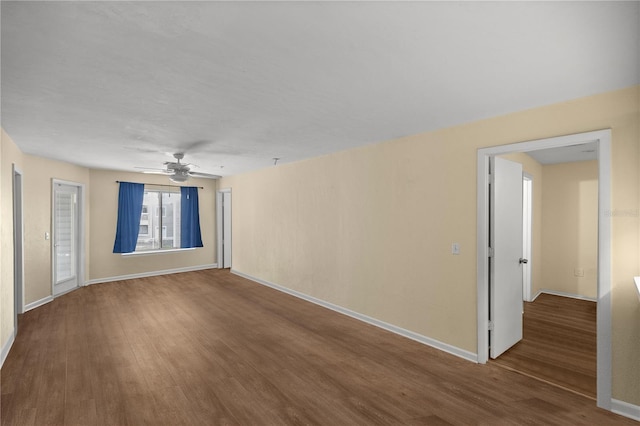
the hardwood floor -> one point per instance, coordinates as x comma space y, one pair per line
558, 344
211, 348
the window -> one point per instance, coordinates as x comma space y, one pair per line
175, 224
159, 221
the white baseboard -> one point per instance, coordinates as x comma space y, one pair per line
33, 305
470, 356
151, 274
6, 347
563, 294
625, 409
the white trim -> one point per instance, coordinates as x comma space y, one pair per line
219, 231
527, 234
563, 294
625, 409
637, 281
604, 344
38, 303
18, 233
603, 139
151, 274
554, 142
469, 356
482, 250
7, 347
147, 252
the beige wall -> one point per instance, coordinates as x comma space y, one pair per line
625, 254
370, 229
100, 204
570, 228
38, 180
9, 155
533, 169
104, 212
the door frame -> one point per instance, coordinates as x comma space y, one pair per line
603, 140
18, 243
219, 224
81, 233
527, 227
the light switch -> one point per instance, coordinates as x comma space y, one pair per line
46, 235
455, 248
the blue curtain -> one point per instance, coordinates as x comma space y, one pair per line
190, 222
129, 209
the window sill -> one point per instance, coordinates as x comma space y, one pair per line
151, 252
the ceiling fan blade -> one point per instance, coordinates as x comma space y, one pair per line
158, 172
204, 175
144, 150
166, 163
194, 146
154, 171
148, 168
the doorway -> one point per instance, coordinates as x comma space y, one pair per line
18, 246
67, 238
602, 140
223, 214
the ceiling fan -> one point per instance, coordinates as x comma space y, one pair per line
178, 172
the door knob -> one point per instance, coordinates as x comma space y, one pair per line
522, 260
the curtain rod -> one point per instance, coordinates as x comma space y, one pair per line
162, 184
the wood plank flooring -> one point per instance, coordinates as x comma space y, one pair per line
211, 348
558, 344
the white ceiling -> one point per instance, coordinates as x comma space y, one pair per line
566, 154
120, 84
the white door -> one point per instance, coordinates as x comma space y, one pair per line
505, 310
226, 229
65, 238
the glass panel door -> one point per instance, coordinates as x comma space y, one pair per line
65, 238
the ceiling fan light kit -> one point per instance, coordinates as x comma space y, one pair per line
179, 176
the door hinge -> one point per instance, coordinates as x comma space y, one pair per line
490, 326
490, 252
